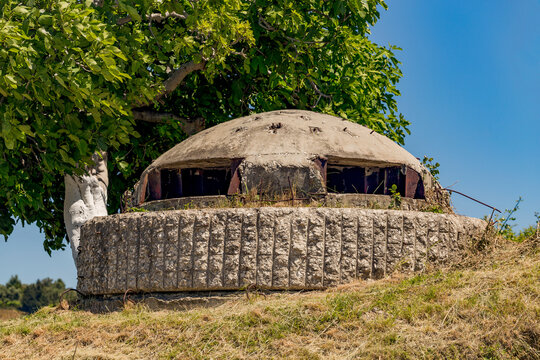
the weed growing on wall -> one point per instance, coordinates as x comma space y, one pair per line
432, 167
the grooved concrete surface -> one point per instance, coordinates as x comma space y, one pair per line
273, 248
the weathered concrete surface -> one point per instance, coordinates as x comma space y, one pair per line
279, 146
271, 248
286, 134
273, 177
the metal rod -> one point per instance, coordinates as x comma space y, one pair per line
473, 199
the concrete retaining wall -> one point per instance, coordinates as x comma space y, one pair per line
274, 248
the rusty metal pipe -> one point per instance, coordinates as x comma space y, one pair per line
473, 199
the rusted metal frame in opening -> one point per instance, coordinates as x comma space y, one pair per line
234, 185
408, 181
321, 164
151, 183
410, 187
142, 187
376, 180
154, 184
412, 180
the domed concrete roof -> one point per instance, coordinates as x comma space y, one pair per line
287, 135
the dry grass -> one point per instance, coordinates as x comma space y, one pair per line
484, 308
8, 314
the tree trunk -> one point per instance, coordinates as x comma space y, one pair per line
86, 197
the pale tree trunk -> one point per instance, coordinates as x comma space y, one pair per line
86, 197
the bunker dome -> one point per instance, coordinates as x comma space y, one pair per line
356, 227
315, 156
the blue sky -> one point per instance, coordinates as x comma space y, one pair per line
471, 89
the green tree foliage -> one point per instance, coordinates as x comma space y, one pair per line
126, 76
42, 293
11, 293
31, 297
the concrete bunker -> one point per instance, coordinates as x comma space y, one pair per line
345, 226
274, 154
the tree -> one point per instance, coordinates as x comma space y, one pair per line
11, 293
31, 297
42, 293
132, 77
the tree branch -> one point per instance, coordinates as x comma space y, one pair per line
319, 92
123, 20
174, 80
155, 117
157, 17
171, 83
188, 126
178, 76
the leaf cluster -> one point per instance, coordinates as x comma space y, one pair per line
432, 166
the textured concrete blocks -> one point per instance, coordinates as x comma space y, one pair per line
273, 248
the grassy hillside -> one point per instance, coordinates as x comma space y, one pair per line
485, 307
